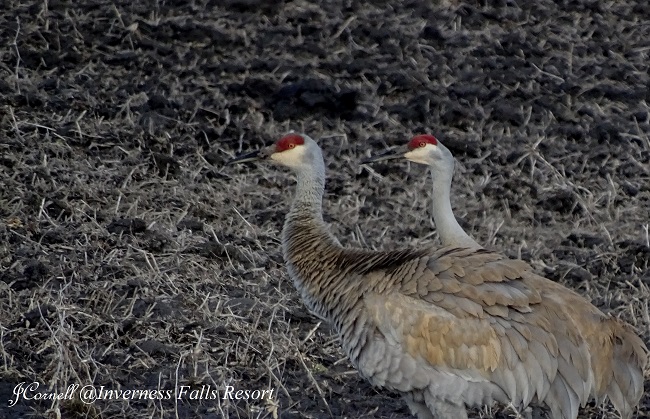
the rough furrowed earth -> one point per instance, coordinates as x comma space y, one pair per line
132, 257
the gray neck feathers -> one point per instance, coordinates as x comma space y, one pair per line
309, 191
310, 250
450, 232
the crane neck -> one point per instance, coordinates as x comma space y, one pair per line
310, 250
450, 232
305, 218
308, 198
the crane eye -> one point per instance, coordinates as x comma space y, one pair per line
291, 145
422, 144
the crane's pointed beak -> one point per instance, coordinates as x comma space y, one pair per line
243, 158
397, 153
261, 154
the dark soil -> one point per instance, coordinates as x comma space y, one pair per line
131, 258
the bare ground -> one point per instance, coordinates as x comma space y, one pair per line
132, 259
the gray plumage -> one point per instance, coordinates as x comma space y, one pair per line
616, 355
450, 327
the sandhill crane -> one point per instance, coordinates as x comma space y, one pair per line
448, 328
617, 368
426, 149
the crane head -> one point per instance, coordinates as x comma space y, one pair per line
420, 149
290, 150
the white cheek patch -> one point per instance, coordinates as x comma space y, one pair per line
290, 157
418, 155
